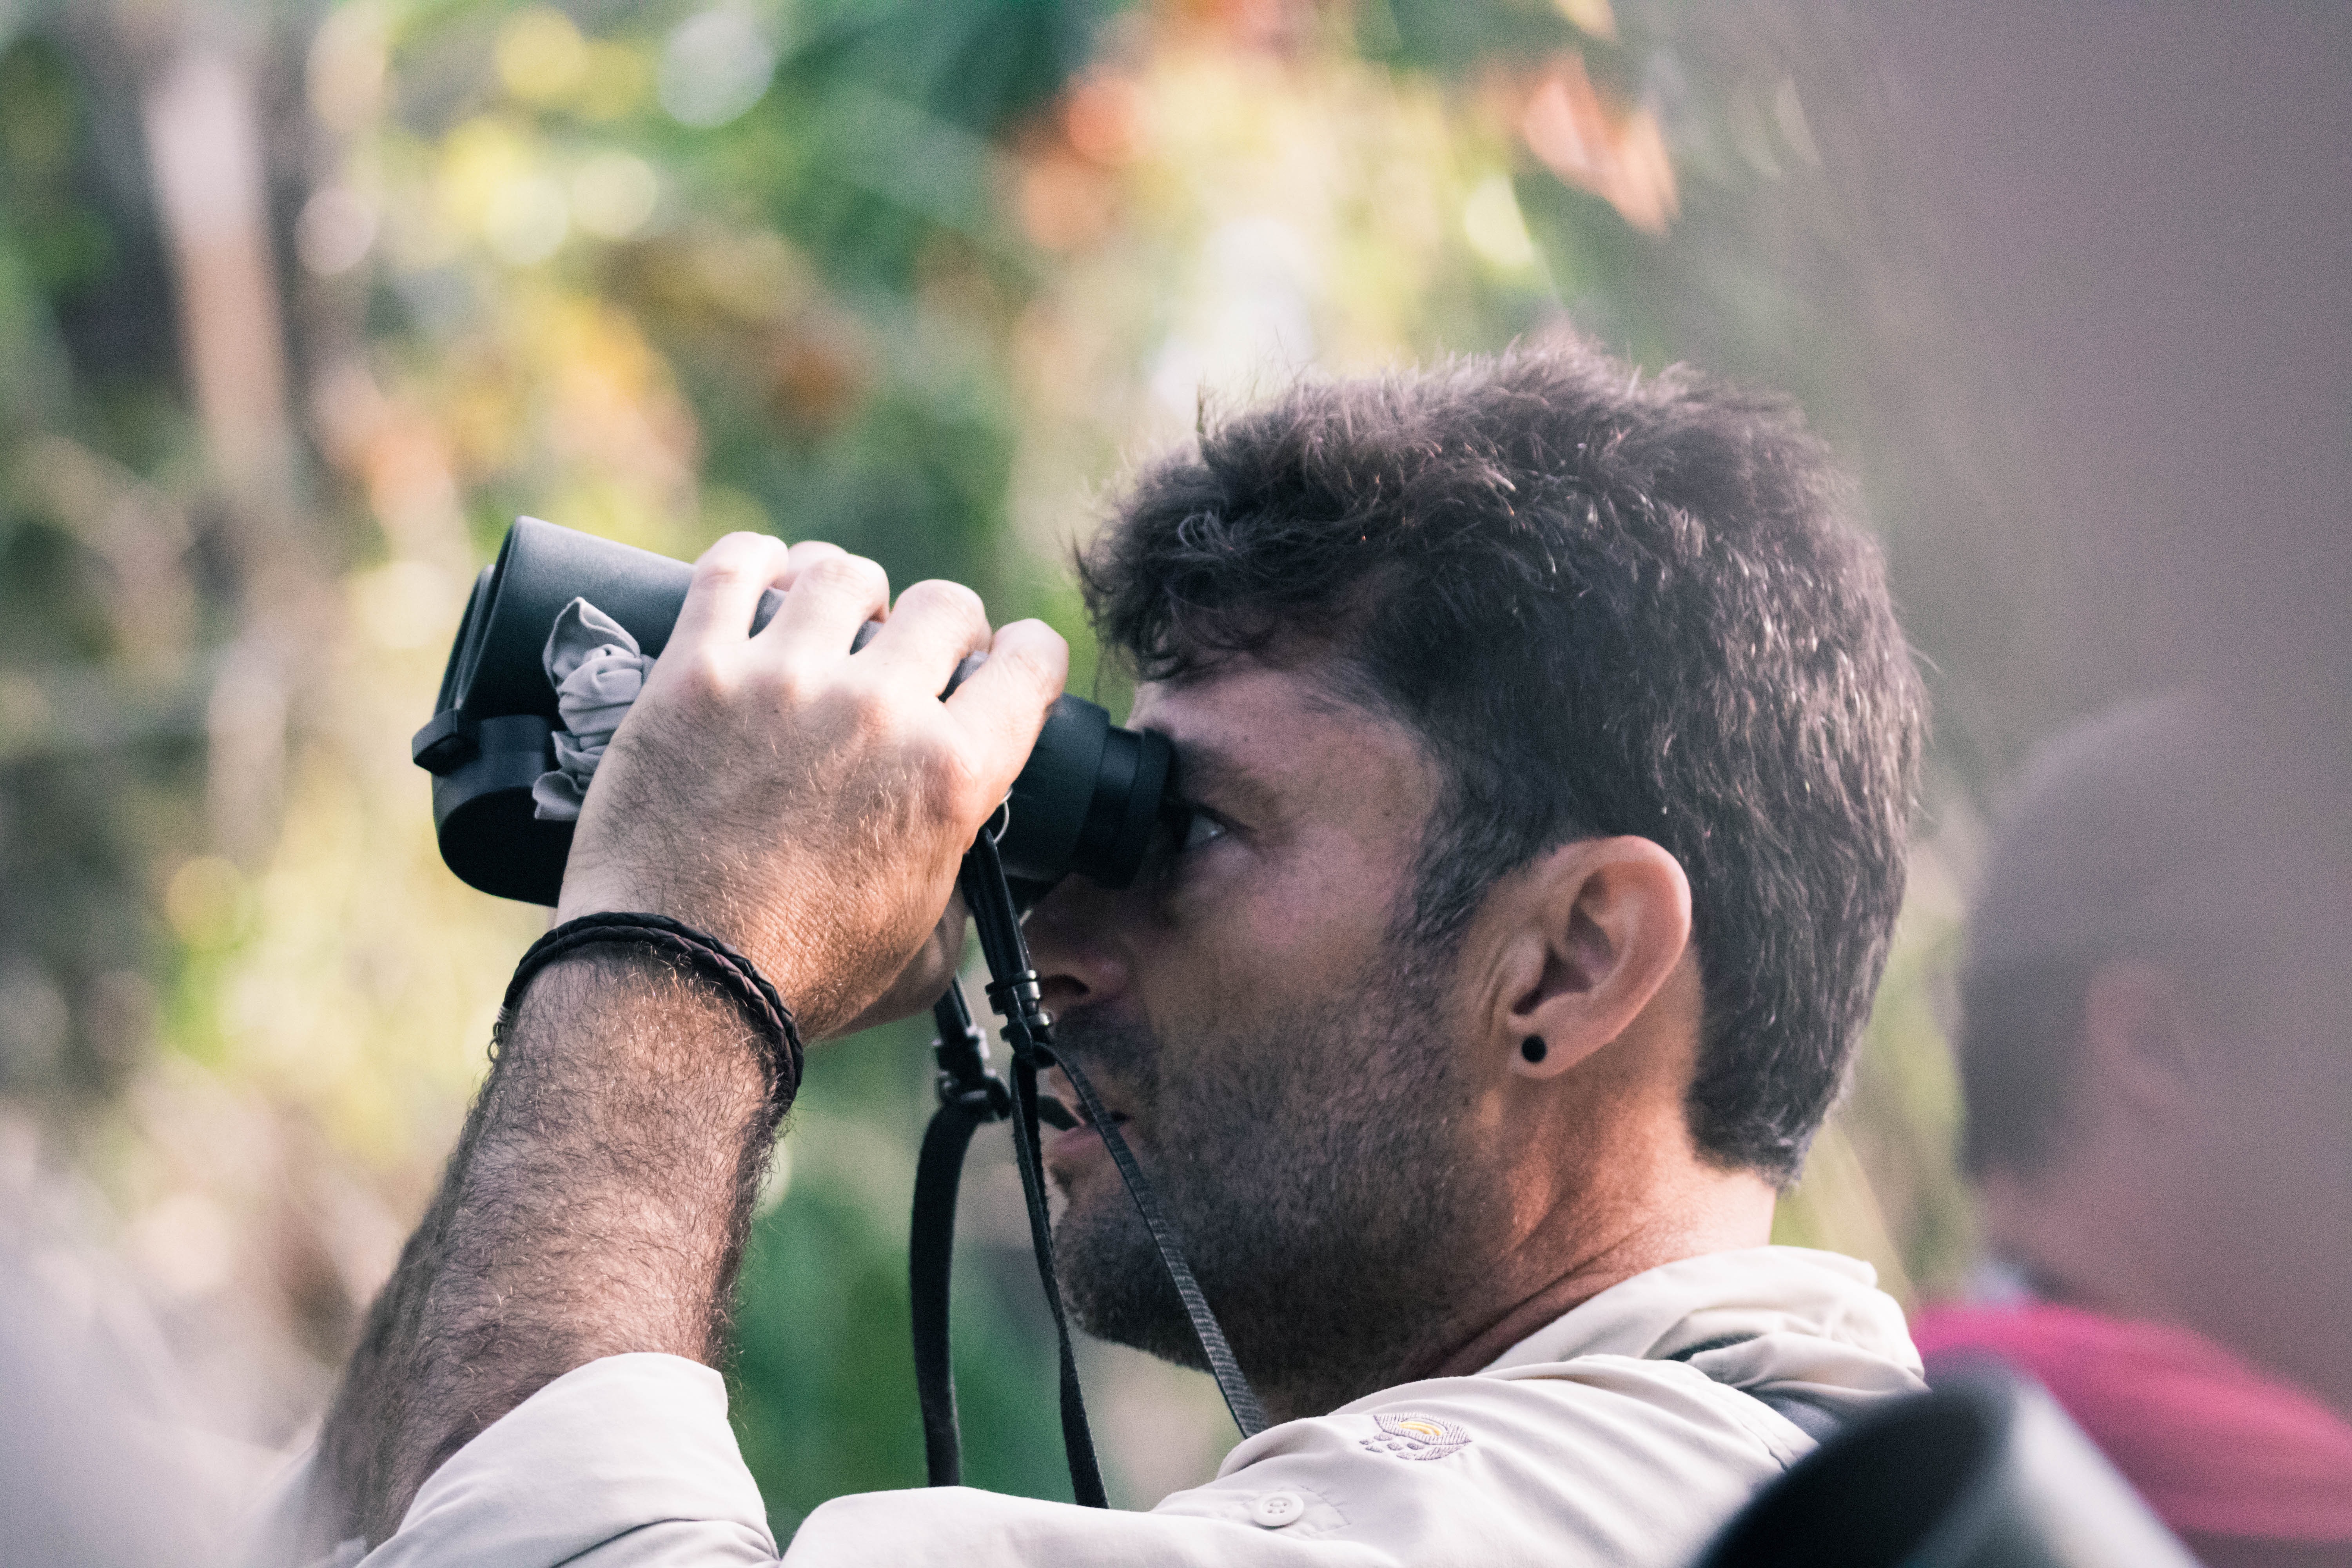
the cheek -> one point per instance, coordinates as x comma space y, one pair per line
2299, 1136
1260, 939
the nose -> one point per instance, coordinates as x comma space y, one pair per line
1074, 944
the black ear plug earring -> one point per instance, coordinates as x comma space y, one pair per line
1533, 1049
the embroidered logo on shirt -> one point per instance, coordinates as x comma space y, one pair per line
1416, 1437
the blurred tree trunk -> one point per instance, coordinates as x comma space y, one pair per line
204, 150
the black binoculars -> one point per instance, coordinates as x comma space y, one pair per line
1088, 800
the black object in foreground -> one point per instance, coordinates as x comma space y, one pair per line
1984, 1472
1086, 800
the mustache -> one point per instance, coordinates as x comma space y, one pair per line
1120, 1057
1110, 1043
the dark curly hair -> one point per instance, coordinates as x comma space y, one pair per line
1608, 604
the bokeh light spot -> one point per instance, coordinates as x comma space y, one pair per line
205, 902
346, 68
541, 57
527, 220
716, 66
406, 604
1594, 19
1492, 223
335, 231
617, 81
613, 194
1104, 119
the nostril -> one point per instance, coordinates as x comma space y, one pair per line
1074, 945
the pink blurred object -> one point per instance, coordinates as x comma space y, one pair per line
2217, 1447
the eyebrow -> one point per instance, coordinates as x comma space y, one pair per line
1212, 777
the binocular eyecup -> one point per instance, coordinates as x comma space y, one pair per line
1088, 800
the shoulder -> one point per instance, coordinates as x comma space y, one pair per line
1603, 1459
1610, 1461
1624, 1431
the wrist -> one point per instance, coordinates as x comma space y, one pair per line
699, 901
661, 993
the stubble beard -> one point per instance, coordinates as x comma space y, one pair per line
1315, 1171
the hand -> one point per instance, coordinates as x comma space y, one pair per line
927, 975
808, 806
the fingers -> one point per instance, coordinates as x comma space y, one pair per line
728, 582
796, 562
829, 594
933, 626
830, 597
1003, 706
803, 555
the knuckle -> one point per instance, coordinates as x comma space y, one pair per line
947, 772
872, 715
701, 678
939, 597
846, 573
729, 572
1036, 651
783, 683
737, 554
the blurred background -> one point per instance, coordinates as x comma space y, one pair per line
300, 305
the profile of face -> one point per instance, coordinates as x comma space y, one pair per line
1286, 1068
2231, 1097
2161, 1131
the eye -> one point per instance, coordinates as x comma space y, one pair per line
1201, 829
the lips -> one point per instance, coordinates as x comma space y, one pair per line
1074, 1142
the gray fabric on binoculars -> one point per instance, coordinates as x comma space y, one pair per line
597, 672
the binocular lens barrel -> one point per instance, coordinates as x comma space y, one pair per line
1087, 801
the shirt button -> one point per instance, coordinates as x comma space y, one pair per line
1276, 1509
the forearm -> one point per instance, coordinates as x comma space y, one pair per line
597, 1204
804, 804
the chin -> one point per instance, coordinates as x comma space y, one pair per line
1112, 1280
1083, 1186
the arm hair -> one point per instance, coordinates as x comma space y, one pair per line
597, 1204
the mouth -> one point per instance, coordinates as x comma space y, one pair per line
1078, 1136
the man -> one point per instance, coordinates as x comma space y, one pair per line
2158, 1060
1549, 743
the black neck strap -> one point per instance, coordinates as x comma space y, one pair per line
971, 1094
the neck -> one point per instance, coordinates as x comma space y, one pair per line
1555, 1265
2265, 1302
1712, 1211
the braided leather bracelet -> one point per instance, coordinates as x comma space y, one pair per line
699, 951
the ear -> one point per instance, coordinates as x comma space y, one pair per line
1604, 922
2138, 1041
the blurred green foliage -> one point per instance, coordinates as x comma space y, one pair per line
916, 278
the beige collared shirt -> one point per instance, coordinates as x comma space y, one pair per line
1623, 1433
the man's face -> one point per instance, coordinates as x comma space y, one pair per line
1290, 1078
2266, 1146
